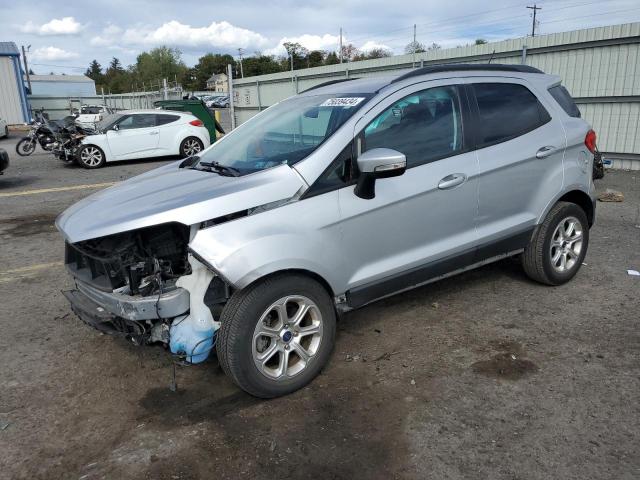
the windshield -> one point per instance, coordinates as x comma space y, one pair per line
285, 133
108, 121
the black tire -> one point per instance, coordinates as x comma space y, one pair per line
537, 257
91, 156
25, 147
235, 343
6, 132
191, 146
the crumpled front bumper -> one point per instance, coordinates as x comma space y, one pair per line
170, 304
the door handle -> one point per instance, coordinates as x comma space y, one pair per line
544, 152
153, 133
451, 181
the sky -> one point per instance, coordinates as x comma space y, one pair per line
66, 36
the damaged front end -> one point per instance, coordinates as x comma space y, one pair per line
145, 286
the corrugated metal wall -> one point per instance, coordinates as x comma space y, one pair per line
10, 100
599, 66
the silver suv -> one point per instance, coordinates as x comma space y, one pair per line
344, 194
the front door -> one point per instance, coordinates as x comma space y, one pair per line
137, 137
422, 224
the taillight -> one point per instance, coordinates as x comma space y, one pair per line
590, 141
196, 123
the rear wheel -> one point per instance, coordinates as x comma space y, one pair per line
191, 146
559, 245
26, 147
91, 156
277, 335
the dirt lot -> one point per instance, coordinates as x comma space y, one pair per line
485, 375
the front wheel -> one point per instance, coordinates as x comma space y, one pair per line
276, 335
559, 245
191, 146
26, 147
91, 156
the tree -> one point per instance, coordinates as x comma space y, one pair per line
378, 53
297, 54
414, 47
31, 72
434, 46
116, 78
259, 65
349, 52
315, 58
94, 72
480, 41
331, 59
208, 65
158, 63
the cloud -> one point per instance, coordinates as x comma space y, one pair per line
217, 34
310, 42
52, 53
108, 38
57, 26
372, 45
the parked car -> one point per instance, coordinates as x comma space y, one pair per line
221, 102
133, 134
4, 160
89, 115
327, 201
4, 128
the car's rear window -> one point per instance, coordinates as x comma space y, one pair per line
564, 99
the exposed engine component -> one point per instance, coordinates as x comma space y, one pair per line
141, 262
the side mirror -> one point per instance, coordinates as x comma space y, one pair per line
378, 163
115, 128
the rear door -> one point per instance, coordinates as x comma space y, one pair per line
520, 154
137, 137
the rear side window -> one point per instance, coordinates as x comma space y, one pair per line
163, 119
564, 99
507, 110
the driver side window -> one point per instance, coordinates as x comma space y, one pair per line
425, 126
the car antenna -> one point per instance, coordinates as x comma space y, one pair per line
491, 57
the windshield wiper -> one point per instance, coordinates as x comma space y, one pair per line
221, 169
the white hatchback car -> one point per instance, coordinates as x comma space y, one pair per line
133, 134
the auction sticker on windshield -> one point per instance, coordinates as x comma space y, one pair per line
342, 102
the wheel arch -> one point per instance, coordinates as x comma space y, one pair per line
577, 196
296, 271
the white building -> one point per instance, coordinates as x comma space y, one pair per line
218, 83
13, 96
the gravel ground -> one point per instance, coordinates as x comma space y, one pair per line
485, 375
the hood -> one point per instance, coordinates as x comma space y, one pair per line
172, 194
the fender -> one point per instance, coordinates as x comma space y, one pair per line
301, 235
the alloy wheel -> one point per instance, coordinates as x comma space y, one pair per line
287, 337
91, 156
566, 244
191, 147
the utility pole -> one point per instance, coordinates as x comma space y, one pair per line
413, 62
340, 44
26, 67
241, 70
535, 9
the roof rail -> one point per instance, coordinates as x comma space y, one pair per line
467, 67
330, 82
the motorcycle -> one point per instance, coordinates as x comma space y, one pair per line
68, 141
43, 133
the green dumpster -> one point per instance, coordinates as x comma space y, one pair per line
197, 108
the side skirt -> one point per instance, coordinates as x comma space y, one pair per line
434, 271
